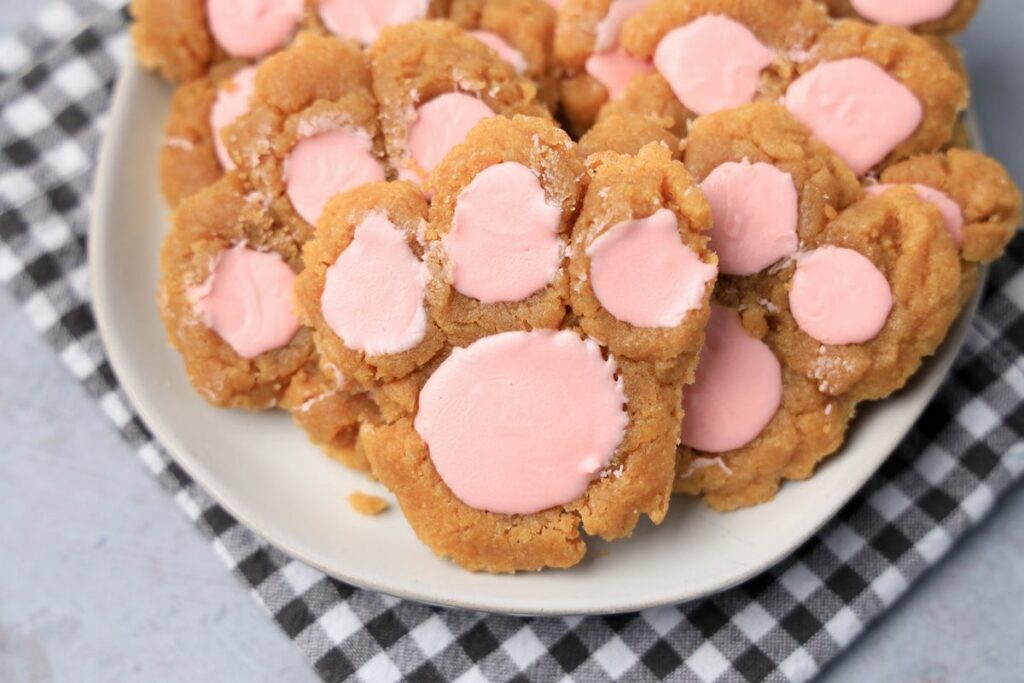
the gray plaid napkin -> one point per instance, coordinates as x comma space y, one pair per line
783, 626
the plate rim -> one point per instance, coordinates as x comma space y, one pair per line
99, 234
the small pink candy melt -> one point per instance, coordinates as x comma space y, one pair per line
362, 20
247, 301
951, 212
326, 164
504, 243
644, 275
522, 422
234, 98
738, 388
610, 27
373, 295
253, 28
856, 108
838, 296
903, 12
508, 54
442, 123
755, 208
712, 63
615, 69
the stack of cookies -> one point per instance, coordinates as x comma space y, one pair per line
538, 266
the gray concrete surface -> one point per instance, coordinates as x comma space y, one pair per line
103, 579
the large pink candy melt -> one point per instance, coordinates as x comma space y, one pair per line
738, 388
755, 210
522, 422
952, 214
442, 123
253, 28
247, 300
362, 20
508, 53
712, 63
326, 164
615, 69
856, 108
504, 243
644, 275
234, 98
373, 295
838, 296
903, 12
610, 27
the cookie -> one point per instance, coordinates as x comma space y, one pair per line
312, 131
330, 410
225, 297
593, 400
363, 20
433, 83
628, 134
587, 48
493, 275
907, 94
713, 55
522, 32
975, 194
928, 16
193, 156
183, 40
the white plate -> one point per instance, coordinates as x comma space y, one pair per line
261, 468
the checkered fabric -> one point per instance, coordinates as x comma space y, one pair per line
55, 83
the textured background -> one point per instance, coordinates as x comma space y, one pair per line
123, 585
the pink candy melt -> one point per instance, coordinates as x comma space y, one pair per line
373, 295
504, 243
233, 101
903, 12
326, 164
755, 216
522, 422
644, 275
838, 296
738, 388
712, 63
610, 27
856, 108
614, 70
952, 214
253, 28
362, 20
442, 123
247, 300
508, 53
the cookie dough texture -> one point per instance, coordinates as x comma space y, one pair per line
787, 26
318, 84
366, 504
954, 22
416, 62
983, 188
331, 411
188, 160
547, 151
204, 225
628, 134
652, 365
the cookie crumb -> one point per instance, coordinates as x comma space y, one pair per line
367, 505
